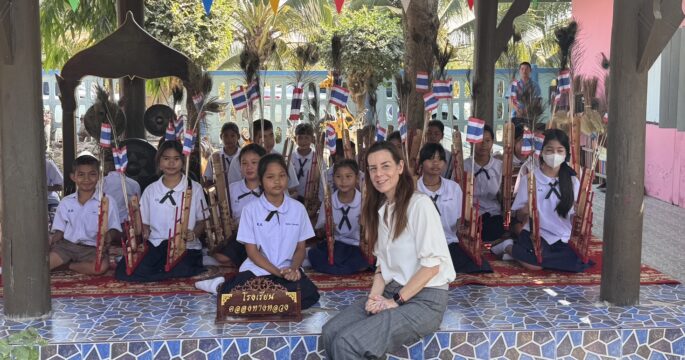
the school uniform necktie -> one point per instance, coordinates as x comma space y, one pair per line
300, 172
483, 170
553, 189
169, 196
227, 163
345, 219
435, 202
252, 192
271, 214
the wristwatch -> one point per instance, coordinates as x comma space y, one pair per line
398, 298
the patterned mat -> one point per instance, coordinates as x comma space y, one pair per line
67, 283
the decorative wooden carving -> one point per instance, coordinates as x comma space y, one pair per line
258, 300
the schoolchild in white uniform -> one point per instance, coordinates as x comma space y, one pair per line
112, 186
346, 205
242, 193
448, 198
434, 135
487, 183
229, 137
557, 189
333, 159
158, 208
268, 144
408, 298
75, 226
302, 158
55, 184
274, 230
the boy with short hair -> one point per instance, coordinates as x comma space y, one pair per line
434, 135
303, 157
76, 222
230, 135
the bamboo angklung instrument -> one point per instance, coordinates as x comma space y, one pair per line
133, 245
220, 213
311, 193
507, 173
328, 209
103, 222
471, 240
533, 214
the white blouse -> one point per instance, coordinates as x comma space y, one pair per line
422, 243
487, 182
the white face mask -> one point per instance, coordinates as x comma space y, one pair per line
554, 160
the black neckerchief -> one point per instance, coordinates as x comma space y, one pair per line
345, 219
553, 189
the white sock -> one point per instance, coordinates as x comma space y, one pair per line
210, 285
507, 257
305, 263
499, 248
210, 261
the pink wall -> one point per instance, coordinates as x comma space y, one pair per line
665, 164
594, 22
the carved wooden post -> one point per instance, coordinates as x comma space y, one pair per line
133, 90
25, 275
641, 29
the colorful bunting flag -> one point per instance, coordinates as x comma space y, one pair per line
331, 138
120, 159
74, 4
442, 89
208, 6
527, 145
106, 135
512, 92
296, 103
422, 81
402, 125
431, 103
339, 96
405, 5
274, 5
380, 132
239, 99
339, 5
475, 130
564, 81
471, 5
188, 142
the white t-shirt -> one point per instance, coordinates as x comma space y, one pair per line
448, 201
422, 243
487, 184
227, 160
54, 177
344, 231
552, 226
159, 211
277, 234
302, 166
112, 187
241, 196
79, 223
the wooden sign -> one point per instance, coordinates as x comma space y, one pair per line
258, 300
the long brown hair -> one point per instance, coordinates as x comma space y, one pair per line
375, 199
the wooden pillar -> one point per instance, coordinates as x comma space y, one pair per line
483, 91
640, 31
133, 90
25, 275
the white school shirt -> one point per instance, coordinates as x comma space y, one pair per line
54, 177
448, 201
79, 223
235, 175
422, 243
241, 196
112, 187
160, 216
485, 190
226, 159
552, 226
277, 238
302, 166
331, 182
342, 232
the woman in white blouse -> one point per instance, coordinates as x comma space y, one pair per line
409, 294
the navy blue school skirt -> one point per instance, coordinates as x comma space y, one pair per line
347, 259
493, 227
558, 256
308, 291
151, 268
234, 250
463, 263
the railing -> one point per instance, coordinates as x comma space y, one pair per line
278, 91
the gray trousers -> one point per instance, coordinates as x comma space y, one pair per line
353, 334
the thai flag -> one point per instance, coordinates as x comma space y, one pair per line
564, 81
198, 100
239, 99
253, 91
178, 124
170, 134
475, 130
442, 89
402, 125
106, 135
331, 138
557, 98
188, 140
422, 81
512, 92
539, 139
380, 132
339, 96
120, 159
296, 103
431, 103
528, 143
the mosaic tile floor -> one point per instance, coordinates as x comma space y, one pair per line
564, 322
